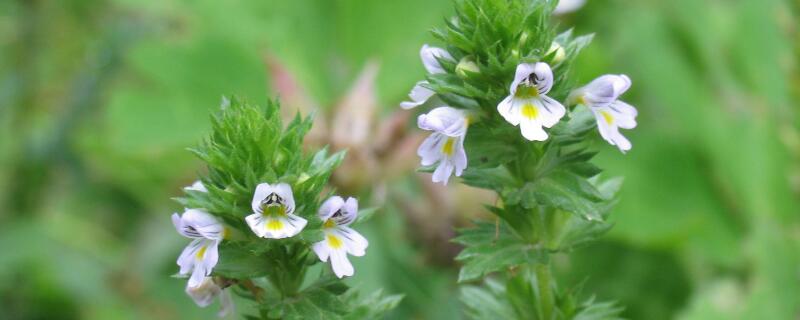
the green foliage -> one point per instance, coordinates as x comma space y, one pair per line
249, 146
492, 247
521, 298
550, 196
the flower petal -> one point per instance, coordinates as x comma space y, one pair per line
186, 260
226, 304
443, 172
604, 90
551, 111
197, 186
198, 222
567, 6
507, 110
261, 193
256, 223
340, 264
204, 293
280, 227
349, 212
355, 243
446, 120
543, 77
430, 150
211, 256
459, 157
430, 58
329, 207
322, 250
524, 70
284, 191
418, 95
531, 126
625, 114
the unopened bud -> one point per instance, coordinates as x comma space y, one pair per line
557, 51
466, 65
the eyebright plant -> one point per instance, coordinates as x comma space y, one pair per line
261, 219
507, 117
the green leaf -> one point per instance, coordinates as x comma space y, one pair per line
489, 248
566, 191
365, 215
497, 178
487, 302
374, 306
239, 262
314, 304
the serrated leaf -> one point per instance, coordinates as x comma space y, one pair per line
566, 191
239, 262
489, 248
486, 303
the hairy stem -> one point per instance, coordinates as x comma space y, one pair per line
544, 284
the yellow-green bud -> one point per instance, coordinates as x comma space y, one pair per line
559, 55
465, 65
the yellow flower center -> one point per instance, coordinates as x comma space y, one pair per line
526, 92
530, 111
274, 225
448, 147
580, 100
607, 116
329, 223
334, 241
201, 252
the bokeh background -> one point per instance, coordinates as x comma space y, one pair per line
99, 100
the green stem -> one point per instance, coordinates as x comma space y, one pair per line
543, 282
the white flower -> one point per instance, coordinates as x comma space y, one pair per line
528, 105
567, 6
446, 144
601, 96
273, 207
204, 294
197, 186
429, 55
201, 255
340, 240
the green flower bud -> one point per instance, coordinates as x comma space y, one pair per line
559, 55
466, 64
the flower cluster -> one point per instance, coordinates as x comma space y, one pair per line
527, 106
272, 218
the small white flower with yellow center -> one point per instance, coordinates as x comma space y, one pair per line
340, 240
273, 217
601, 96
205, 293
446, 144
201, 255
528, 104
430, 59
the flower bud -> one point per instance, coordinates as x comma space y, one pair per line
466, 64
558, 53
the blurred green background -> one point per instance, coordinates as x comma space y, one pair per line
99, 100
